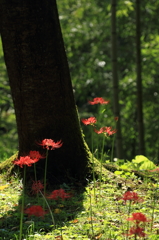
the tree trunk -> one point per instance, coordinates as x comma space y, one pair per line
139, 81
119, 147
41, 86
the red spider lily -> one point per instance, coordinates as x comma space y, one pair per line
36, 187
138, 217
89, 121
137, 231
60, 193
98, 100
106, 130
25, 161
132, 196
50, 144
35, 210
35, 154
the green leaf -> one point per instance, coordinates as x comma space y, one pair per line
118, 172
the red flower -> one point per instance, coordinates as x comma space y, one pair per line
35, 210
116, 119
138, 217
25, 161
36, 187
132, 196
89, 121
106, 130
50, 144
137, 232
35, 154
98, 100
60, 193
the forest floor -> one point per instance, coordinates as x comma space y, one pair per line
103, 210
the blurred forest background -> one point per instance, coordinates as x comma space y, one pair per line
87, 27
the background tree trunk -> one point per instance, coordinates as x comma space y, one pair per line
139, 81
119, 147
41, 86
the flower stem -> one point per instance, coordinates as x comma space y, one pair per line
36, 180
53, 220
112, 152
45, 172
91, 216
101, 162
22, 208
129, 209
93, 169
153, 210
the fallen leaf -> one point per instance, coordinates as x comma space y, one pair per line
59, 238
75, 221
90, 219
98, 236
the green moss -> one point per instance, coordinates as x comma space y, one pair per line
7, 165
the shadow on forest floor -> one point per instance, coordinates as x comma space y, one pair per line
64, 211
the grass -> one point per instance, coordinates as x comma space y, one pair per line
83, 216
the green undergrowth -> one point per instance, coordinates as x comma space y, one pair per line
94, 212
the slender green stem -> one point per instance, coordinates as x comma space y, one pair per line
153, 210
36, 180
91, 216
101, 162
129, 209
22, 208
35, 172
112, 152
93, 168
53, 220
45, 172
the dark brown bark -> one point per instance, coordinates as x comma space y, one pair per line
119, 147
41, 86
139, 81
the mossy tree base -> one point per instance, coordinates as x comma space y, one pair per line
9, 168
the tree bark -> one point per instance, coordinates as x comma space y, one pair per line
41, 86
139, 81
119, 147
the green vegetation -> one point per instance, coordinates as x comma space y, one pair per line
81, 214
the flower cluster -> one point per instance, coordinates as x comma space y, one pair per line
89, 121
137, 218
50, 144
60, 193
132, 196
25, 161
107, 131
98, 100
34, 156
36, 187
138, 231
35, 210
